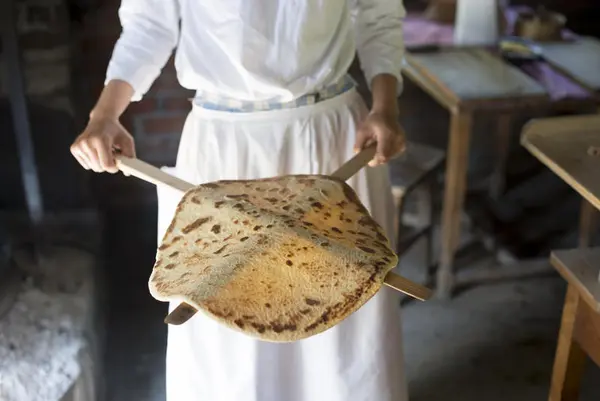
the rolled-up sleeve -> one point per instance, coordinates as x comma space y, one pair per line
150, 32
379, 37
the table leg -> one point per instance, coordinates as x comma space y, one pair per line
588, 223
587, 331
503, 134
570, 359
454, 195
431, 217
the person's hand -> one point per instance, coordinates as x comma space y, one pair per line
383, 129
94, 148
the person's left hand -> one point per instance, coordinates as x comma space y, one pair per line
383, 129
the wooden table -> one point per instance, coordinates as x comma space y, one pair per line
549, 139
580, 61
580, 324
563, 144
465, 81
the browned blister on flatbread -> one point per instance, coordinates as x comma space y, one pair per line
279, 259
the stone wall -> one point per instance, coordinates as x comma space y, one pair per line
43, 27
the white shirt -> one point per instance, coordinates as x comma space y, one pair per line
256, 49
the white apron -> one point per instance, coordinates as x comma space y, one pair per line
360, 359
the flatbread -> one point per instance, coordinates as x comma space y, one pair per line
279, 259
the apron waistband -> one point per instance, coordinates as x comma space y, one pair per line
215, 102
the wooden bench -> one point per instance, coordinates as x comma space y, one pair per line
415, 172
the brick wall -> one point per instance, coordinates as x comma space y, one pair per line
157, 120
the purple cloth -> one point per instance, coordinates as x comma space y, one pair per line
419, 31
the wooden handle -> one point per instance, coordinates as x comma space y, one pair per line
355, 164
184, 312
408, 287
151, 174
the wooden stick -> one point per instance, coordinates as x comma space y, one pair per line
153, 175
406, 286
354, 165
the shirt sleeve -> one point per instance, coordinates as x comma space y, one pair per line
150, 32
379, 37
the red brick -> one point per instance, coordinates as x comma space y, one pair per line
112, 3
95, 88
95, 68
104, 20
160, 150
166, 80
42, 40
127, 120
176, 104
146, 105
95, 82
163, 124
170, 63
98, 46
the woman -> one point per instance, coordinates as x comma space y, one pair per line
273, 98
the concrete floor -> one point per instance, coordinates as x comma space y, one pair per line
494, 342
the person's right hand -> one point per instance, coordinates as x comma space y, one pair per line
94, 148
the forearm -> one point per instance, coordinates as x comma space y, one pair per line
379, 41
113, 100
384, 88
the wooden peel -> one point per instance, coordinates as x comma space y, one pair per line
153, 175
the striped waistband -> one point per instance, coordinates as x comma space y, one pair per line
215, 102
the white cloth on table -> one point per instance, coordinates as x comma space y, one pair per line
360, 359
256, 50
